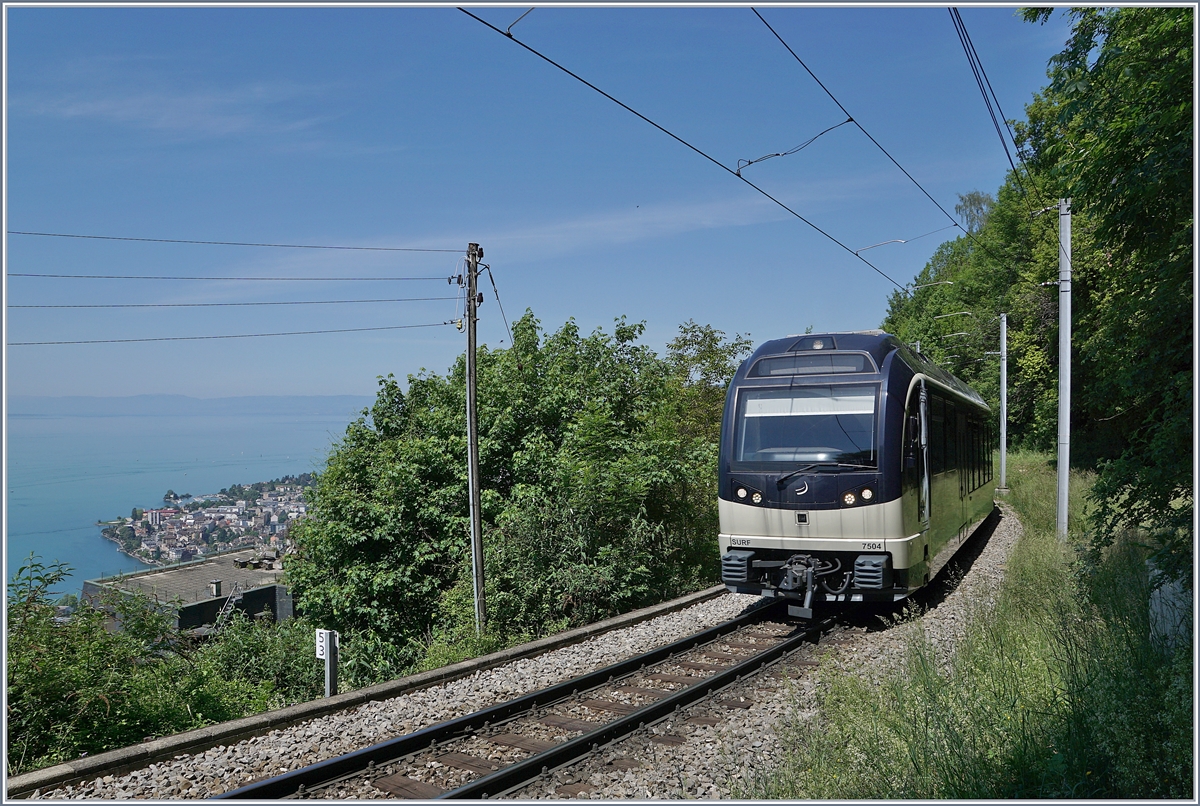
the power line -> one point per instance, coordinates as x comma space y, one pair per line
255, 279
985, 87
236, 336
232, 243
858, 125
680, 140
237, 304
789, 152
981, 80
496, 291
867, 134
905, 240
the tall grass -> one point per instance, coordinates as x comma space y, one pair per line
1058, 689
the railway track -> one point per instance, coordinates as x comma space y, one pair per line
503, 748
684, 752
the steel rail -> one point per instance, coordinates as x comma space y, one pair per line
514, 776
329, 770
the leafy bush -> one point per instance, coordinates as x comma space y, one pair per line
115, 672
82, 686
598, 466
1113, 132
274, 659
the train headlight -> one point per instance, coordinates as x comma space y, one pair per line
849, 499
867, 494
741, 492
756, 498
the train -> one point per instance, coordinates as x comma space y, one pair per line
851, 470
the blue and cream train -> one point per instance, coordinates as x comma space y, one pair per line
851, 470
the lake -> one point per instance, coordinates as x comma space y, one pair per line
74, 461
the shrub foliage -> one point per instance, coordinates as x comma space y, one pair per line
598, 460
1112, 132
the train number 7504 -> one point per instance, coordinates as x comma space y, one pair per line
872, 547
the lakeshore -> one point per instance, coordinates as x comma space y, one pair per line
188, 527
66, 472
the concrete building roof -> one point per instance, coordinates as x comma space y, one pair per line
189, 582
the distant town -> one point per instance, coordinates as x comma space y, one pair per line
188, 526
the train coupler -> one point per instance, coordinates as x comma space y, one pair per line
799, 576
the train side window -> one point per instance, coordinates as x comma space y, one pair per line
937, 434
970, 454
984, 455
975, 455
952, 451
977, 447
987, 433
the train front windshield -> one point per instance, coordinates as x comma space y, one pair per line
806, 424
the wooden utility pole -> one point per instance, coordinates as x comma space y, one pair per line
474, 253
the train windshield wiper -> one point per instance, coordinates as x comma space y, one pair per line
784, 478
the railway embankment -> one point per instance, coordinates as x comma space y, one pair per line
219, 757
715, 755
746, 744
1057, 682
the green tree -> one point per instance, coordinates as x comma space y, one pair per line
597, 491
1114, 131
83, 686
129, 539
973, 209
705, 362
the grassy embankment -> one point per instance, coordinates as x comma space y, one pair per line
1057, 690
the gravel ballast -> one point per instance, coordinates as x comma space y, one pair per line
716, 761
225, 767
681, 757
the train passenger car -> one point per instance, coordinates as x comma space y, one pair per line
851, 470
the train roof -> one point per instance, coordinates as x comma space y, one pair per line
877, 343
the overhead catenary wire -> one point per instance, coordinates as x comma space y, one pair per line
231, 336
790, 151
985, 87
905, 240
514, 22
236, 304
877, 144
681, 141
989, 99
232, 243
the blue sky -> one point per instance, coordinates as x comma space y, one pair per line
422, 128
